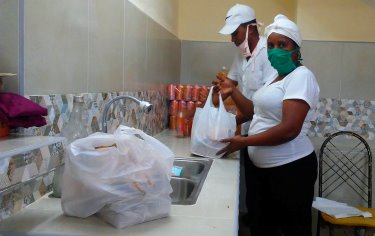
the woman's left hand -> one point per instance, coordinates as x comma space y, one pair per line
234, 144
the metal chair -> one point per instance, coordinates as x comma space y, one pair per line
345, 175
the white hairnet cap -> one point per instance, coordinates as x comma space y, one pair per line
282, 25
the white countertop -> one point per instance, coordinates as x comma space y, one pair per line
14, 144
215, 212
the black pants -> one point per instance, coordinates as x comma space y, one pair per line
279, 199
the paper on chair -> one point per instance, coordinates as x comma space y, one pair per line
338, 209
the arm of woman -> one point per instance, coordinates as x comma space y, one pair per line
294, 112
244, 105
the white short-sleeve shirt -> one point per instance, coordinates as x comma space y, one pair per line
268, 101
253, 73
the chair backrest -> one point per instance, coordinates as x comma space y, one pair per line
345, 169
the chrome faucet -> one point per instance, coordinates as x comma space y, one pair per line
145, 106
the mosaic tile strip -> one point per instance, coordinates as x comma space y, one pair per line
332, 114
25, 177
127, 113
344, 115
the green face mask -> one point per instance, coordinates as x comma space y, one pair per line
281, 60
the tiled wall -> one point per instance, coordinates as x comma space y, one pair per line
96, 46
124, 112
344, 114
85, 46
27, 176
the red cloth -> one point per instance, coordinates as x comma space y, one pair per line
18, 111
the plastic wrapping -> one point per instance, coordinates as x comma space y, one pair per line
124, 177
210, 125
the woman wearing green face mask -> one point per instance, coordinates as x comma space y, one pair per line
277, 142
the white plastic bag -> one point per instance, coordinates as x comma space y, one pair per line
210, 125
124, 177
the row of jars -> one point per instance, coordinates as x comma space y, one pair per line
188, 92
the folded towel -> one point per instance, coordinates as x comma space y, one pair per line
27, 122
14, 105
17, 111
22, 121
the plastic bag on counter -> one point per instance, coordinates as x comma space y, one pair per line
124, 177
210, 125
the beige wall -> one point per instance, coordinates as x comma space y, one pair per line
337, 20
164, 12
321, 20
201, 20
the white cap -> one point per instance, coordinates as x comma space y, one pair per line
236, 16
282, 25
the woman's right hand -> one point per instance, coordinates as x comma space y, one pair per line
222, 81
224, 86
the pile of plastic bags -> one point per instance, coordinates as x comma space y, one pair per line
123, 177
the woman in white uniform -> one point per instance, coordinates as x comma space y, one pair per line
277, 142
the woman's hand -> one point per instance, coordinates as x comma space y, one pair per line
217, 88
223, 85
234, 144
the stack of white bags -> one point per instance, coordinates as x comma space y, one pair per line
123, 177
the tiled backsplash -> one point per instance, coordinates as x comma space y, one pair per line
344, 114
26, 171
59, 108
332, 114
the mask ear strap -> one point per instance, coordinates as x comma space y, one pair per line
299, 54
259, 25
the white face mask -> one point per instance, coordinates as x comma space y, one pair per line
244, 46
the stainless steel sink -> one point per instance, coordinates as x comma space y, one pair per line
188, 184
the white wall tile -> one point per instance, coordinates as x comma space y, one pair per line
56, 46
106, 43
9, 43
135, 48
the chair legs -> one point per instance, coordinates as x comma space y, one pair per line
318, 226
331, 230
357, 231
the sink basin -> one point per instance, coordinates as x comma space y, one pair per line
182, 189
188, 183
190, 168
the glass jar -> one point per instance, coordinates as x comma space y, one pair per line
74, 128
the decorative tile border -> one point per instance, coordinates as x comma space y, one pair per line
128, 113
332, 114
344, 114
27, 176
